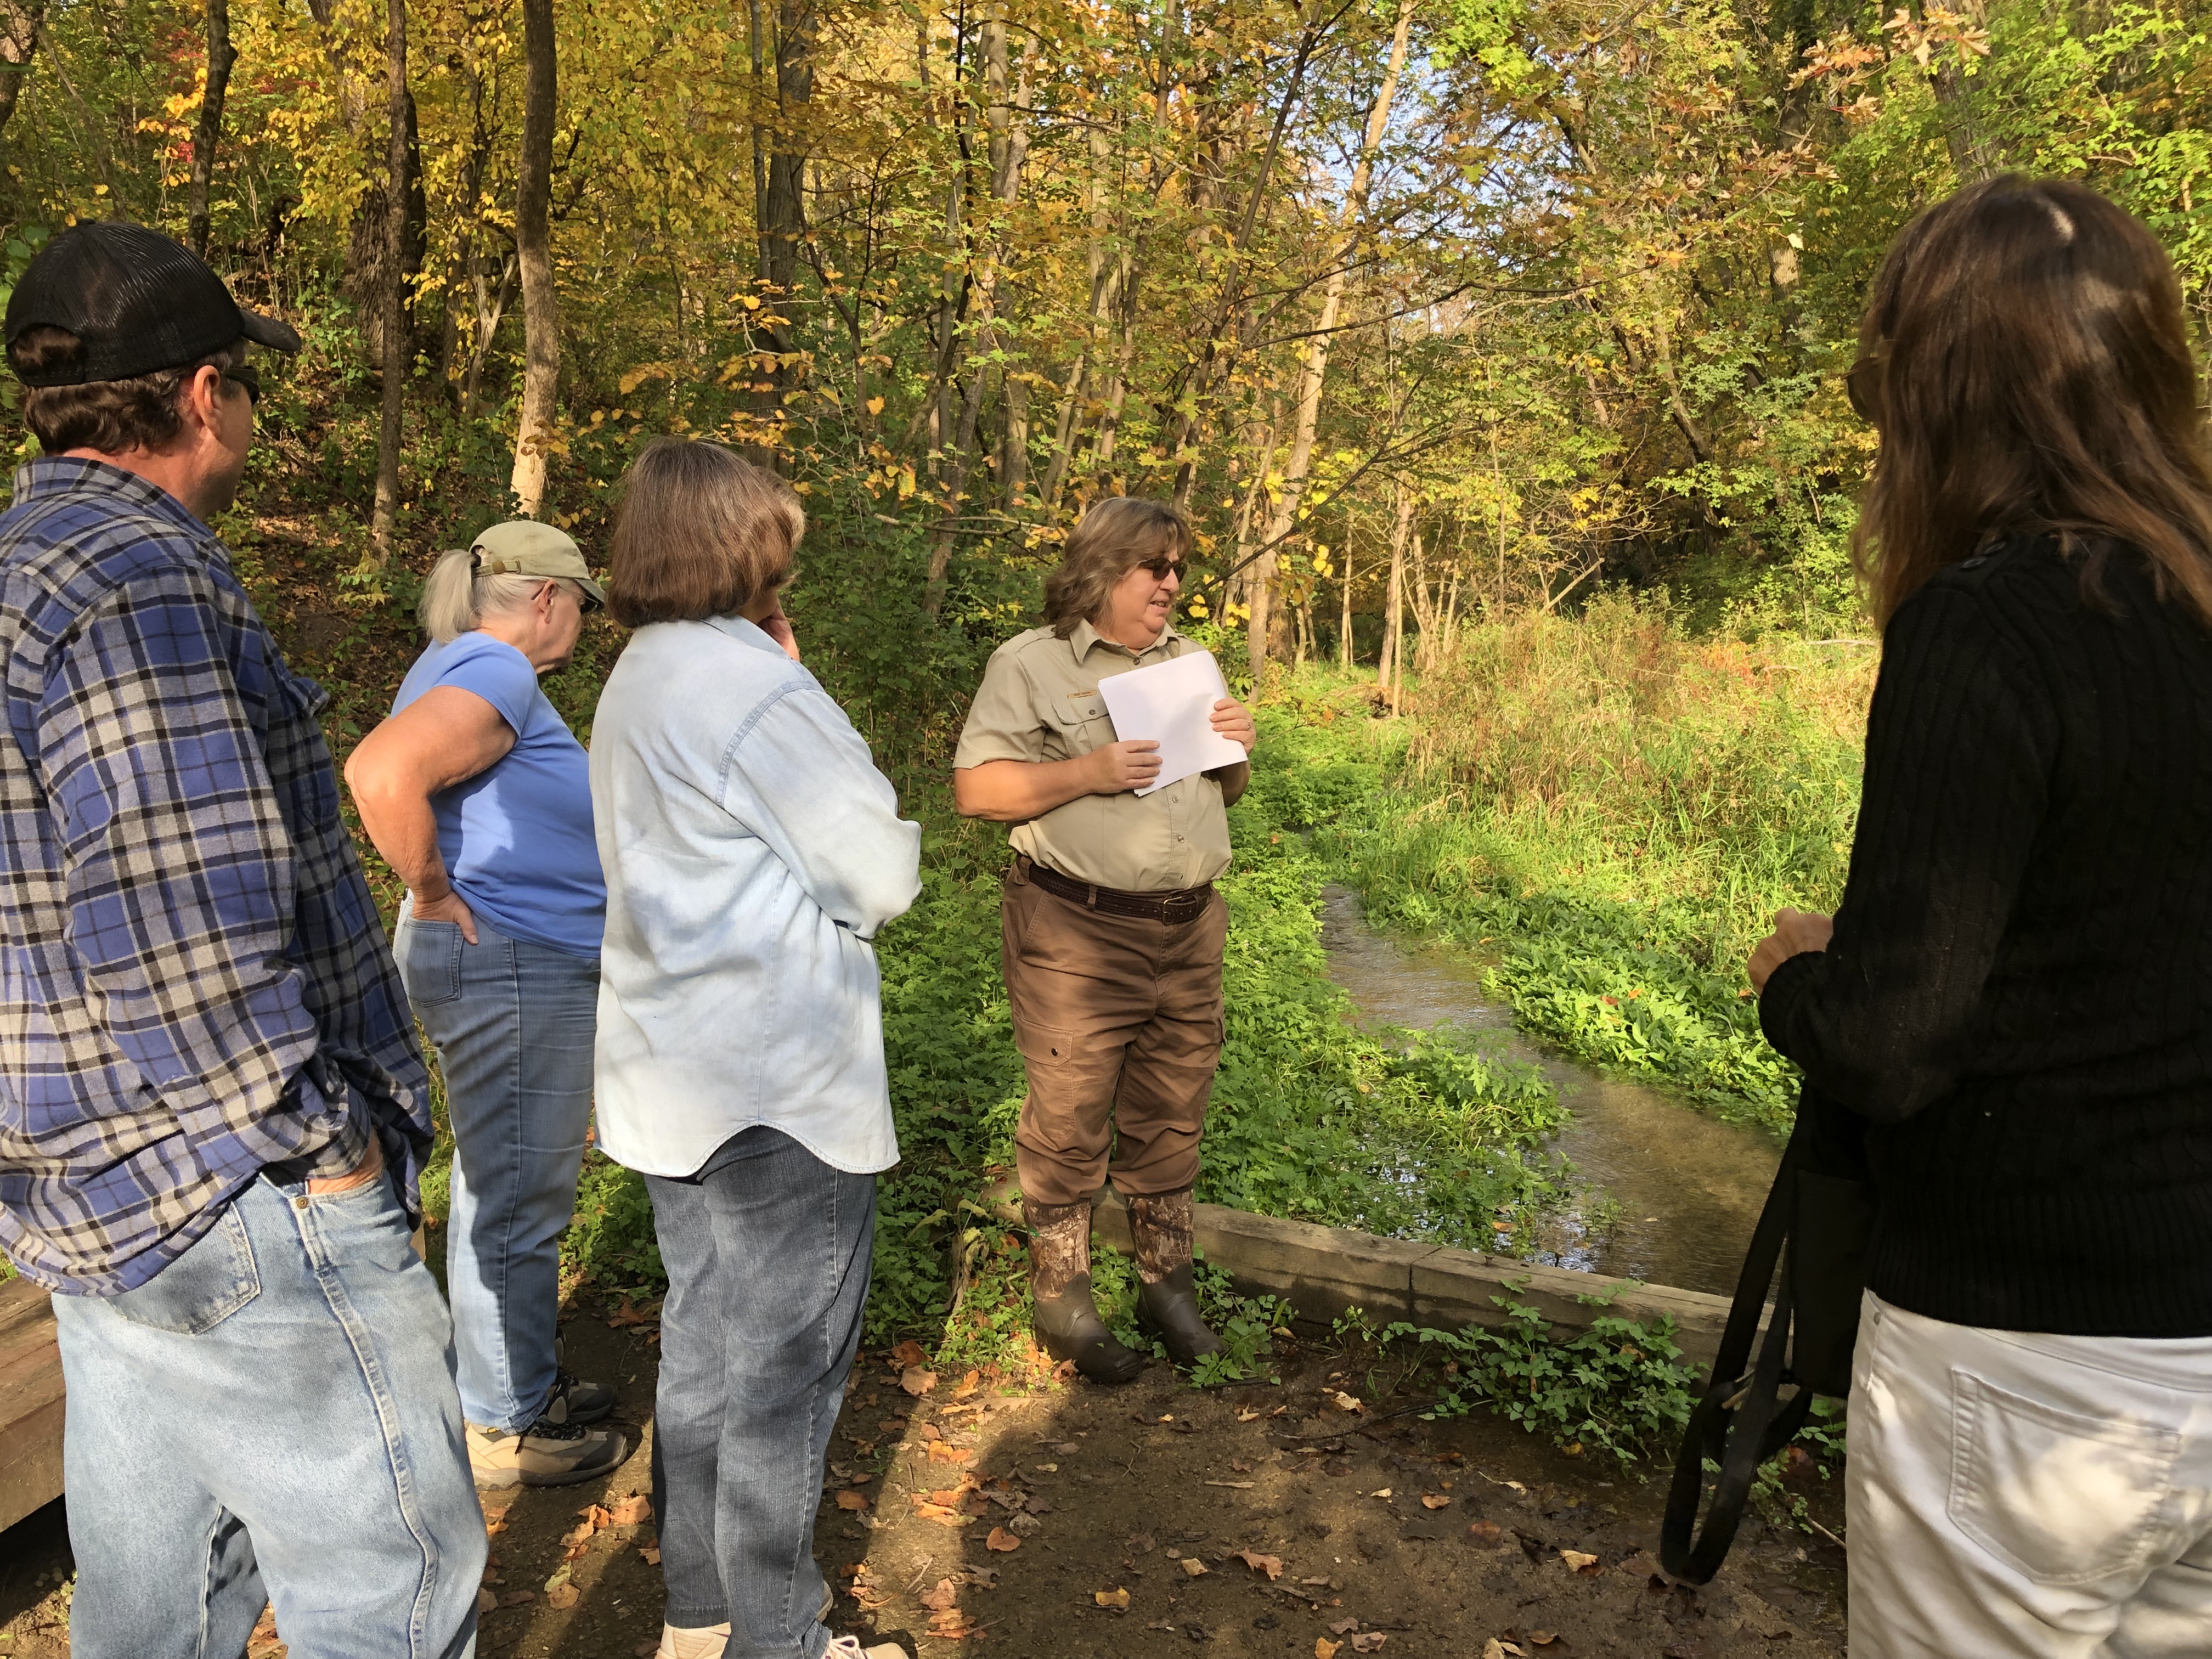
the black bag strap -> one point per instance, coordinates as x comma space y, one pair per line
1742, 1420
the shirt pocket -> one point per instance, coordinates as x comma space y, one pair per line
1079, 721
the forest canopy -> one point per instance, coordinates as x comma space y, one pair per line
1450, 305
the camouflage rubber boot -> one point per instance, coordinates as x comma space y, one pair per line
1067, 1322
1160, 1227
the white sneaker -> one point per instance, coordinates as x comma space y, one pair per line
699, 1642
849, 1647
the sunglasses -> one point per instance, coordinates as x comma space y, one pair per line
584, 602
1162, 568
1862, 386
247, 376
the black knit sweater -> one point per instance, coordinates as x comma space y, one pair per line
2018, 998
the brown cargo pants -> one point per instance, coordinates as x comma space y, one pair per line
1118, 1019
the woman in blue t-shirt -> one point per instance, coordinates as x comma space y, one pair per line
479, 798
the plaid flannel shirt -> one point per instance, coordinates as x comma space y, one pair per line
194, 985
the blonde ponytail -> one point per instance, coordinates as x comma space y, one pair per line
456, 600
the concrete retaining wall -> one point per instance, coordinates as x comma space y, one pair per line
1322, 1271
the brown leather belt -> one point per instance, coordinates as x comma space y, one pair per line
1182, 905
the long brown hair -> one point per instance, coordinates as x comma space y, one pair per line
2025, 358
699, 532
1110, 540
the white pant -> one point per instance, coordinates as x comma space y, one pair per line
2017, 1494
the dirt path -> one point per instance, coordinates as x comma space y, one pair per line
1146, 1520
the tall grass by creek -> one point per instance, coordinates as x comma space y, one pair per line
1611, 811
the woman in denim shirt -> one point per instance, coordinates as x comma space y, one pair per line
751, 850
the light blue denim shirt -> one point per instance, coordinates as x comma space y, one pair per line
751, 852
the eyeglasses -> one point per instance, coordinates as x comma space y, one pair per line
1862, 386
584, 602
249, 377
1162, 568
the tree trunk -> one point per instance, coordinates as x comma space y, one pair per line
19, 39
208, 131
533, 235
1315, 368
785, 225
1972, 156
1344, 629
1005, 154
384, 520
1010, 147
1103, 273
1386, 673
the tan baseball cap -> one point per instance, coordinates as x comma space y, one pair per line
524, 547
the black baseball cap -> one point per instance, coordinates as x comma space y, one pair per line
139, 302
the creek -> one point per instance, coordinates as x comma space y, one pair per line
1663, 1193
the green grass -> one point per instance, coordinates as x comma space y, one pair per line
1609, 813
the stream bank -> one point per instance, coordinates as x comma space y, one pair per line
1663, 1193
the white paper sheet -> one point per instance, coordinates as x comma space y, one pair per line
1171, 703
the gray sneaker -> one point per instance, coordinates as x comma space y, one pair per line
576, 1401
546, 1454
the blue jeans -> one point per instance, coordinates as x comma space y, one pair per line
513, 1024
272, 1418
768, 1250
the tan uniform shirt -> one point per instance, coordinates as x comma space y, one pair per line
1040, 701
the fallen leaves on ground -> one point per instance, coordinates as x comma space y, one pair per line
1370, 1643
1001, 1539
946, 1594
908, 1355
1117, 1599
1433, 1500
1385, 1492
1485, 1532
486, 1602
853, 1502
630, 1511
1270, 1566
916, 1381
1343, 1626
1494, 1648
943, 1451
968, 1384
1325, 1649
1345, 1402
1193, 1567
562, 1596
630, 1313
930, 1432
651, 1552
1579, 1561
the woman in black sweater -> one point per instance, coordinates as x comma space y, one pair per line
2016, 993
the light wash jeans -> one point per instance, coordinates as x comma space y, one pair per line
513, 1024
2014, 1495
768, 1250
272, 1418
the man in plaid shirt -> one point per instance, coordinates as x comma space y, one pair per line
213, 1112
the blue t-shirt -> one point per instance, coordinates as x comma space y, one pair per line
517, 837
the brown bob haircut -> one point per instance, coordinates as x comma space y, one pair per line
110, 416
699, 533
1110, 540
2025, 358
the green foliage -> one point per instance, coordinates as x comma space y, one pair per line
1617, 1386
1608, 812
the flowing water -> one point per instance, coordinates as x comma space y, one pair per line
1685, 1187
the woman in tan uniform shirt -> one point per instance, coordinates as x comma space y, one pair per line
1113, 931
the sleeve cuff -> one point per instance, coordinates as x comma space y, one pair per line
1776, 1002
